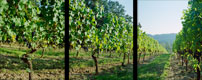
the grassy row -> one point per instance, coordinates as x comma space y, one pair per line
81, 63
14, 52
154, 69
11, 60
115, 72
165, 71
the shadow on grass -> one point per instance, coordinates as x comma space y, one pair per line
147, 59
115, 73
15, 63
81, 62
153, 70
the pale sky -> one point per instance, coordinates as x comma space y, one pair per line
161, 16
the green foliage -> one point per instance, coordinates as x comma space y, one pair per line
188, 41
32, 22
109, 6
153, 72
95, 29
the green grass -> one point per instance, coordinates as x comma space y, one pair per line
10, 59
9, 51
85, 60
154, 69
51, 66
48, 52
166, 67
81, 63
82, 53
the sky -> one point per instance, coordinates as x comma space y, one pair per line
161, 16
128, 4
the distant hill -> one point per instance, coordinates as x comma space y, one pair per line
162, 38
165, 40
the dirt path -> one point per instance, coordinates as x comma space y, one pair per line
165, 69
46, 74
176, 71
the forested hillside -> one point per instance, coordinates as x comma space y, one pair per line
166, 40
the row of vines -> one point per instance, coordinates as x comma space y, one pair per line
188, 43
91, 27
32, 23
147, 45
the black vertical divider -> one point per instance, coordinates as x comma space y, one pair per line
135, 39
67, 40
